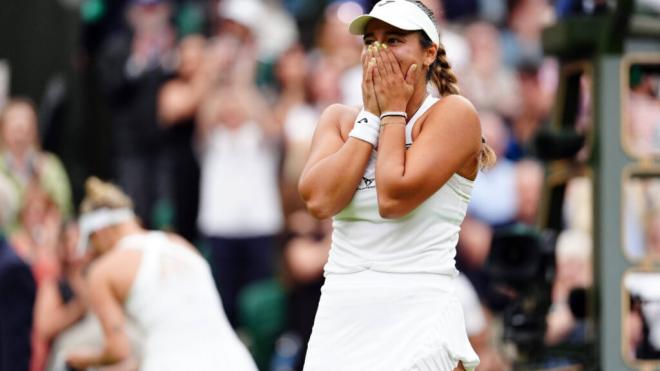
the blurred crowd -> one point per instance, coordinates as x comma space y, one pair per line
213, 105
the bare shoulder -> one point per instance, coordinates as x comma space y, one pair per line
113, 263
340, 112
339, 116
456, 107
453, 114
175, 238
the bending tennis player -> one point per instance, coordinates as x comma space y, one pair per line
159, 281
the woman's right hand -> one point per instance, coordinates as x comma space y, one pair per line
368, 91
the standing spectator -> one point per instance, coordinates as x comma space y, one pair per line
305, 253
17, 291
178, 103
133, 66
24, 163
240, 209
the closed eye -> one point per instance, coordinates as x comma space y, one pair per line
394, 41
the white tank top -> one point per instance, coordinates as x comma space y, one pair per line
175, 304
424, 241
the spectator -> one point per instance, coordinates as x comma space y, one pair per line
494, 198
478, 325
240, 208
17, 292
535, 104
643, 111
24, 163
529, 187
491, 85
133, 67
297, 112
178, 103
522, 39
305, 255
336, 47
644, 318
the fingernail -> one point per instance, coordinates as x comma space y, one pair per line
414, 67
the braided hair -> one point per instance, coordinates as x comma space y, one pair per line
443, 77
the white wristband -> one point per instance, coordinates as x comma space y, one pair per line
366, 127
394, 113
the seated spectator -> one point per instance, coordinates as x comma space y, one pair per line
494, 198
525, 21
24, 162
643, 111
486, 81
529, 186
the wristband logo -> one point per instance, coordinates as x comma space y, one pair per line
381, 3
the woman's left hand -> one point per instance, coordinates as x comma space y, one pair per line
393, 87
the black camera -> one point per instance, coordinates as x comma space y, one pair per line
521, 264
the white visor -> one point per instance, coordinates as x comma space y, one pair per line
98, 219
401, 14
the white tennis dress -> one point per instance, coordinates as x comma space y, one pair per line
388, 302
174, 302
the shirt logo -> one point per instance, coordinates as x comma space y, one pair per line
363, 121
366, 183
381, 3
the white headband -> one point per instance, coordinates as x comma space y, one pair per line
98, 219
402, 14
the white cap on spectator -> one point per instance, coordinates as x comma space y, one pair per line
401, 14
273, 28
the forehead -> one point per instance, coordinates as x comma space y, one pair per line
377, 26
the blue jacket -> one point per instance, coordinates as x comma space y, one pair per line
17, 294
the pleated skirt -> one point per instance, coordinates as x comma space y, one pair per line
389, 321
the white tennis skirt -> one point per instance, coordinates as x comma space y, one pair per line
389, 322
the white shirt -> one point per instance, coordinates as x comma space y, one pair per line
424, 241
239, 184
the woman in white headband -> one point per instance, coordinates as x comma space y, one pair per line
160, 282
396, 176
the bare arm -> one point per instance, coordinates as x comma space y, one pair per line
334, 168
106, 305
449, 140
51, 315
178, 101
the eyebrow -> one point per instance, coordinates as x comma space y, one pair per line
389, 33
